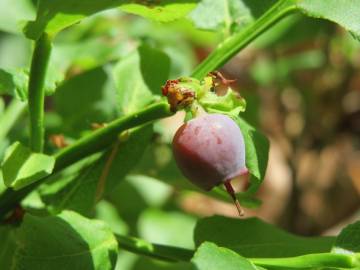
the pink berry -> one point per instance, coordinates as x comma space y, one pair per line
210, 150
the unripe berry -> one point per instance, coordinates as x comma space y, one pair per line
210, 150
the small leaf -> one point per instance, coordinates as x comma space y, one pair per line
230, 103
21, 167
254, 238
256, 153
211, 257
14, 83
348, 240
65, 241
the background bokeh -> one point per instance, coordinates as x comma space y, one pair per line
301, 81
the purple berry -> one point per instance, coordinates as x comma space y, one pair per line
210, 151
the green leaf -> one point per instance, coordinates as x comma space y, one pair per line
80, 192
155, 68
137, 78
161, 10
167, 228
211, 257
266, 13
348, 240
106, 212
227, 15
132, 90
153, 192
254, 238
55, 15
146, 263
91, 89
21, 167
7, 246
231, 103
214, 15
343, 12
14, 83
256, 153
9, 117
65, 241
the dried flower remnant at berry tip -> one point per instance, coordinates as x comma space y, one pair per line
179, 96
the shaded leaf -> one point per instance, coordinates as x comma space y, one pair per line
348, 240
7, 246
211, 257
343, 12
14, 83
254, 238
256, 153
65, 241
155, 68
21, 167
79, 192
85, 99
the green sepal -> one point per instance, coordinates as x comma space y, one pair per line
231, 103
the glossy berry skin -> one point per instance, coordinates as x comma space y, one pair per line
210, 150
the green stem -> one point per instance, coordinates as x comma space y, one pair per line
39, 63
231, 46
310, 261
97, 141
12, 113
161, 252
105, 137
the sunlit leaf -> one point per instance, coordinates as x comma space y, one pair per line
67, 240
22, 167
55, 15
254, 238
211, 257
